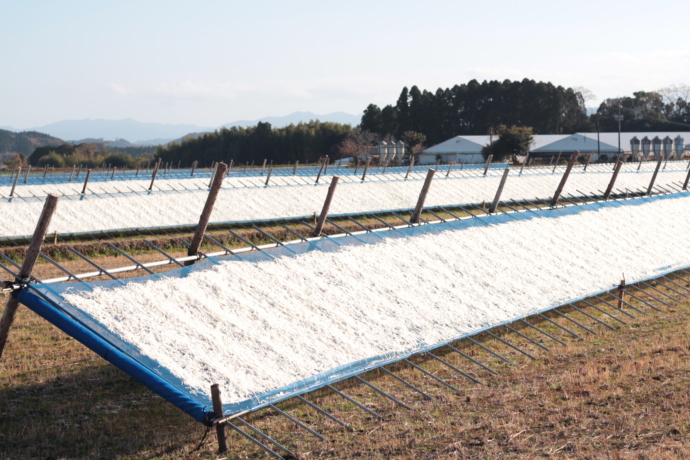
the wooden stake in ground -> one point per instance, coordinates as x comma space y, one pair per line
28, 170
218, 413
205, 217
263, 168
564, 179
318, 176
524, 163
194, 163
294, 169
366, 168
409, 168
86, 181
27, 267
14, 184
488, 163
494, 205
422, 196
687, 178
656, 171
268, 177
326, 206
155, 171
589, 158
621, 293
613, 180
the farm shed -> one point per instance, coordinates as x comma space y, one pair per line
459, 149
553, 145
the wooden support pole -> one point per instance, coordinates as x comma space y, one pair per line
422, 196
318, 176
687, 178
86, 181
450, 166
137, 173
558, 158
616, 170
218, 413
206, 213
356, 165
524, 163
113, 175
294, 169
45, 171
214, 173
28, 170
366, 168
179, 163
621, 293
79, 171
564, 179
589, 158
326, 206
268, 177
488, 163
263, 168
494, 205
16, 178
326, 161
155, 171
74, 167
194, 163
409, 168
232, 162
656, 171
28, 266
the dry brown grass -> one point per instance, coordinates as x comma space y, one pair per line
619, 394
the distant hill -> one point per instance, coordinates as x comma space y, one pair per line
132, 130
25, 142
297, 117
7, 128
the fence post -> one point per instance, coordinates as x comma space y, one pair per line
28, 170
326, 206
494, 205
206, 213
263, 167
14, 184
616, 169
318, 176
564, 179
325, 169
558, 158
194, 163
71, 174
27, 267
268, 177
366, 168
621, 293
294, 169
488, 163
232, 161
409, 168
589, 158
86, 181
524, 163
422, 196
656, 171
155, 171
218, 413
687, 178
450, 166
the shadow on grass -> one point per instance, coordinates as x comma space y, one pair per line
89, 411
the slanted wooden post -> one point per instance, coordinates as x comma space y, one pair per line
589, 158
86, 181
356, 165
564, 179
294, 169
194, 163
558, 158
621, 293
656, 171
137, 173
232, 162
325, 161
268, 177
450, 166
494, 205
607, 194
366, 168
27, 267
113, 175
422, 196
71, 174
78, 170
318, 176
28, 170
45, 171
14, 184
155, 171
213, 174
488, 163
179, 163
206, 213
263, 168
326, 206
524, 163
218, 413
687, 178
409, 168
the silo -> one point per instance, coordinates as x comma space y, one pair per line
656, 147
635, 148
646, 147
679, 146
383, 152
400, 147
668, 147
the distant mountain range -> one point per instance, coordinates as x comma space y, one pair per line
138, 133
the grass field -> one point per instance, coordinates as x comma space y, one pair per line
619, 394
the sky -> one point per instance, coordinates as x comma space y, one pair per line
212, 62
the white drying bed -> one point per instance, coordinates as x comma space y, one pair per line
257, 326
101, 213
